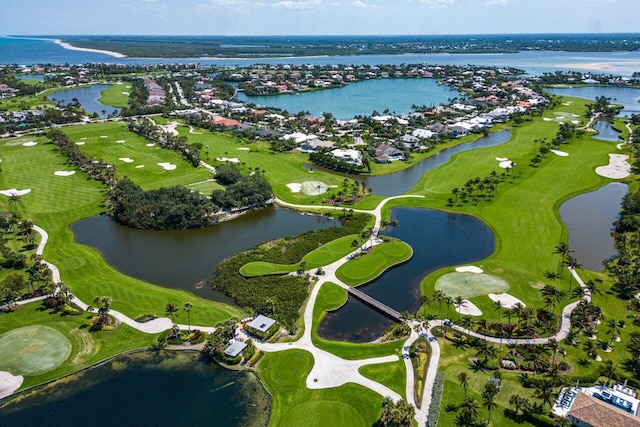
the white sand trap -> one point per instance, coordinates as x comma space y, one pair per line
617, 168
314, 188
547, 119
30, 144
228, 159
128, 87
15, 192
64, 173
561, 123
9, 383
125, 93
468, 308
139, 166
167, 166
508, 301
559, 153
506, 164
619, 146
469, 269
151, 144
567, 103
244, 148
294, 187
502, 159
119, 83
80, 143
103, 136
575, 122
575, 115
120, 141
126, 159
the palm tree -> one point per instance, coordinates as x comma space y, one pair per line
439, 296
425, 300
608, 369
171, 309
467, 322
486, 351
470, 408
448, 300
562, 249
545, 392
489, 402
463, 379
187, 307
103, 303
459, 302
590, 348
551, 275
614, 329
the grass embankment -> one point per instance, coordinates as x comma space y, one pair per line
55, 202
87, 348
117, 95
324, 255
370, 265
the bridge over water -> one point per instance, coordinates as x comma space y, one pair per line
383, 308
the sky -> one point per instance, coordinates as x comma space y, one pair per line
316, 17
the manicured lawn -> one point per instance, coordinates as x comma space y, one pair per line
371, 265
115, 96
113, 142
205, 187
54, 203
284, 374
393, 375
324, 255
87, 347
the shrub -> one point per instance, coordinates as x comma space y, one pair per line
51, 302
436, 399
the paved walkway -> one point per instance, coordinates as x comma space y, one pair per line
328, 369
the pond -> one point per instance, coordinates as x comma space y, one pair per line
145, 389
361, 98
589, 218
438, 239
606, 132
626, 96
182, 259
88, 98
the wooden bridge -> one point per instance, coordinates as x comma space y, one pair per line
383, 308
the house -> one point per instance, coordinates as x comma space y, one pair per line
422, 133
588, 411
235, 349
350, 156
314, 145
261, 323
386, 153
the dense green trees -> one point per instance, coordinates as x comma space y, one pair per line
173, 208
251, 191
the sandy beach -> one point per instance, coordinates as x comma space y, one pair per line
85, 49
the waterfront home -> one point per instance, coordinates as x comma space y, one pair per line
261, 323
353, 157
386, 153
235, 349
314, 145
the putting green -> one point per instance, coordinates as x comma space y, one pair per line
323, 413
314, 188
33, 350
469, 285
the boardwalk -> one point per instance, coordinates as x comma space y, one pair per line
385, 309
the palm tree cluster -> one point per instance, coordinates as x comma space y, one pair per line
102, 304
476, 189
396, 414
148, 129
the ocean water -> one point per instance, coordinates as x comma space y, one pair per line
32, 51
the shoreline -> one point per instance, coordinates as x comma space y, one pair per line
69, 46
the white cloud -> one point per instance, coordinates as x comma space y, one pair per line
359, 3
298, 5
496, 2
437, 3
230, 5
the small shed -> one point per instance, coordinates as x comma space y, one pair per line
261, 323
235, 349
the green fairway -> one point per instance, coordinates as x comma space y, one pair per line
131, 155
33, 350
324, 255
469, 285
117, 95
55, 202
205, 187
367, 267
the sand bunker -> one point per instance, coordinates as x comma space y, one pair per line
314, 188
64, 173
30, 144
139, 166
120, 141
617, 168
506, 164
228, 159
167, 166
9, 383
151, 144
508, 301
547, 119
502, 159
14, 192
559, 153
575, 122
567, 103
469, 285
294, 187
468, 308
80, 143
125, 93
126, 159
244, 148
103, 136
469, 269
